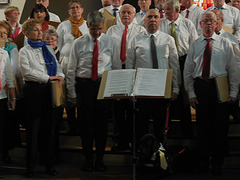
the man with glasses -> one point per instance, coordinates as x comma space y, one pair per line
231, 16
124, 33
144, 7
210, 56
53, 17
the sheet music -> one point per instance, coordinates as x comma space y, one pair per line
119, 82
150, 82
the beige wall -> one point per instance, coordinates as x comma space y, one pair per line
19, 3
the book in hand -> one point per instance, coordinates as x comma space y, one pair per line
222, 86
141, 82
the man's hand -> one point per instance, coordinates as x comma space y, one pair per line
59, 78
173, 96
231, 99
193, 102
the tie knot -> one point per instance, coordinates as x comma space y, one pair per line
152, 36
95, 40
143, 13
126, 27
221, 8
208, 40
115, 9
188, 11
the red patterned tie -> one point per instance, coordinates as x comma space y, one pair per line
207, 60
94, 75
187, 14
161, 13
123, 45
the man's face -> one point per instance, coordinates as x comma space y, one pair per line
159, 4
43, 2
170, 13
208, 24
95, 30
236, 3
219, 20
75, 10
116, 3
106, 3
218, 3
144, 4
152, 21
127, 15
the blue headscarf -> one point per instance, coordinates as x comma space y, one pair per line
48, 57
8, 48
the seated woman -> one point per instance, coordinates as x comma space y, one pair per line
39, 66
12, 17
11, 136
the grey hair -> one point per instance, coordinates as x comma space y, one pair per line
175, 4
95, 18
134, 9
210, 12
51, 32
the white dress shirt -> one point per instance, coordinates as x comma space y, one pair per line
15, 61
140, 18
65, 38
231, 16
116, 32
139, 55
33, 66
110, 9
53, 17
6, 73
222, 63
186, 33
80, 60
195, 15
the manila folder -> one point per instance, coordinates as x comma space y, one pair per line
222, 88
58, 95
109, 21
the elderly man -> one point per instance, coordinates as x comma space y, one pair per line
85, 68
159, 6
153, 49
53, 17
184, 33
231, 15
124, 34
192, 12
114, 9
144, 7
235, 3
210, 56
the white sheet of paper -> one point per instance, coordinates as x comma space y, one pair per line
119, 82
150, 82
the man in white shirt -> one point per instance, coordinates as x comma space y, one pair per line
235, 3
192, 12
142, 55
91, 54
144, 7
231, 16
114, 9
210, 56
184, 33
53, 17
159, 6
124, 33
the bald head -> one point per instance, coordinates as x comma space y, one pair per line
152, 20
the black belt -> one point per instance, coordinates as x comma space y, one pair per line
87, 79
207, 80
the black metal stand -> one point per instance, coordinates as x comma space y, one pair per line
134, 137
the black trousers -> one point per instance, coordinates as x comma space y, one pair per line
40, 123
151, 108
212, 123
3, 117
93, 121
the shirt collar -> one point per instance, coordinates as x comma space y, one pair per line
141, 12
192, 7
112, 7
154, 34
122, 26
223, 7
92, 39
214, 37
177, 21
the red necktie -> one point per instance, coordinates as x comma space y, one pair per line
207, 60
123, 45
161, 13
187, 14
94, 75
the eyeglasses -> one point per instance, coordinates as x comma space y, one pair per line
15, 13
124, 12
74, 7
3, 34
51, 39
208, 20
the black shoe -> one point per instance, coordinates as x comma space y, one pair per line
88, 165
29, 173
99, 165
6, 159
51, 171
